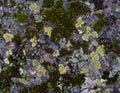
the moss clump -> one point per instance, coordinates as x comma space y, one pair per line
78, 8
48, 3
112, 80
100, 16
98, 26
77, 80
39, 25
21, 17
36, 89
64, 52
5, 77
61, 18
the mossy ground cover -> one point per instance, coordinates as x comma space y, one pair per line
59, 46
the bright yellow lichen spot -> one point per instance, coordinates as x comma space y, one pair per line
8, 53
6, 61
33, 41
62, 69
48, 30
8, 37
34, 7
56, 53
100, 50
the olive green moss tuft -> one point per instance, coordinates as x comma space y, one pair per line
21, 17
48, 3
61, 18
78, 8
99, 25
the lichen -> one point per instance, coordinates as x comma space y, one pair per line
48, 30
8, 37
62, 69
34, 7
100, 50
40, 71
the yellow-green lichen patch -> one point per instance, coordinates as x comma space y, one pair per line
56, 53
40, 71
85, 37
51, 68
84, 70
35, 63
87, 29
48, 30
94, 43
6, 60
100, 82
8, 37
84, 57
100, 50
79, 23
34, 7
62, 69
8, 53
68, 44
33, 41
24, 52
94, 34
94, 56
24, 81
96, 64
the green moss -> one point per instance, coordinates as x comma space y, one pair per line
98, 26
48, 3
78, 8
100, 16
64, 52
21, 17
5, 2
5, 78
36, 89
77, 80
85, 46
39, 25
112, 80
61, 18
